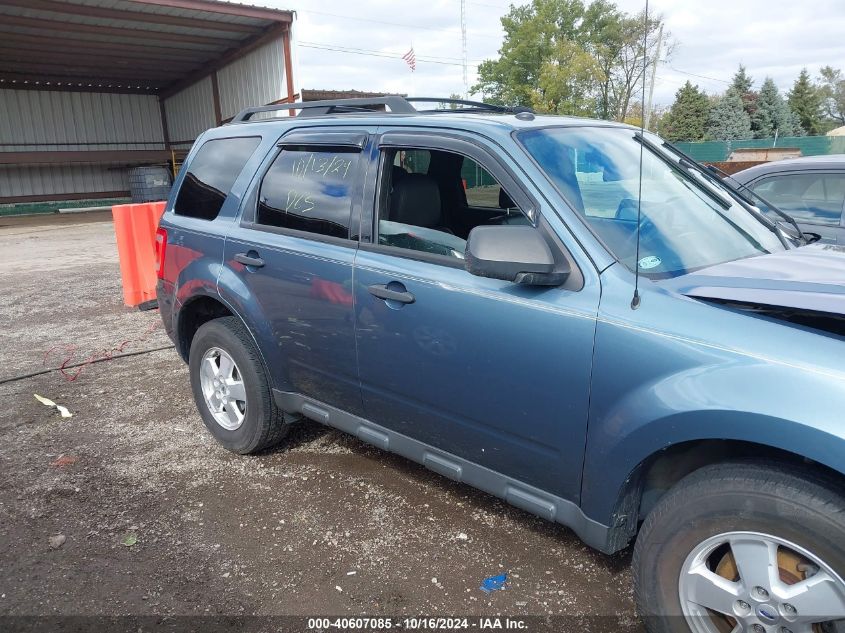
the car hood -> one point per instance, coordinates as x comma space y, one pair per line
807, 278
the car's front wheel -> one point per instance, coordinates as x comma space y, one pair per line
744, 548
231, 388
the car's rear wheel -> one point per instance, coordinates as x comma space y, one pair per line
744, 547
231, 388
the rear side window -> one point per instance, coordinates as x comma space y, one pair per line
309, 190
814, 198
211, 174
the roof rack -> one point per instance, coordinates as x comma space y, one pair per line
370, 105
472, 106
397, 105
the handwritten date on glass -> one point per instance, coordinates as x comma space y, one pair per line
298, 201
331, 165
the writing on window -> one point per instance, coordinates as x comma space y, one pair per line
309, 190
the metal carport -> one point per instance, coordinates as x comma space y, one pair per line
89, 88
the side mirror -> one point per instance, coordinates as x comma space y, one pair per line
518, 254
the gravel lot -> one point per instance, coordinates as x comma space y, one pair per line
216, 533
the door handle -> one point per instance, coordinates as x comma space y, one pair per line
246, 260
383, 292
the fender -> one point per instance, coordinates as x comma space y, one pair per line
725, 399
678, 370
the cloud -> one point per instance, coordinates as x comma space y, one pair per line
713, 38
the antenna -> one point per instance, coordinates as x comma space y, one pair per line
635, 301
464, 46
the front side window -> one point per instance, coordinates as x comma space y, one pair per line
814, 198
426, 204
685, 224
309, 190
482, 190
211, 174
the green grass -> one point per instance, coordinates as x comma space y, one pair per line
28, 208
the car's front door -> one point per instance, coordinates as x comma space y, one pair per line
291, 258
495, 373
815, 198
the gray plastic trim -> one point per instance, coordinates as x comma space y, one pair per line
519, 494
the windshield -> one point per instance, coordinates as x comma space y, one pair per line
686, 223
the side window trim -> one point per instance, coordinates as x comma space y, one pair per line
394, 139
469, 149
317, 138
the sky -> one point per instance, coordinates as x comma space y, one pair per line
770, 37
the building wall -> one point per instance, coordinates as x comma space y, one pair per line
36, 120
256, 79
45, 180
190, 112
45, 121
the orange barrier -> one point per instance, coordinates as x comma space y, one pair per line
135, 228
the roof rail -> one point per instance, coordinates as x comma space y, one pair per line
396, 104
472, 106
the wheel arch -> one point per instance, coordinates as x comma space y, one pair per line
657, 473
199, 310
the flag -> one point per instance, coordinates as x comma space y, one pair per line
411, 58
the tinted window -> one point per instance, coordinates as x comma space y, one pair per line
211, 174
814, 198
309, 190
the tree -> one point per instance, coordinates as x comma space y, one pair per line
795, 124
772, 114
728, 120
832, 92
568, 57
566, 82
687, 118
634, 62
451, 106
531, 32
741, 82
805, 101
744, 87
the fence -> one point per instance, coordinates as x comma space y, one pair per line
716, 151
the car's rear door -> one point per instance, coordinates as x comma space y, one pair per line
289, 261
495, 373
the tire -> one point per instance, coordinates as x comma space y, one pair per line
787, 512
246, 428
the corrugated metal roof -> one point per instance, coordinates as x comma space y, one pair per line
63, 44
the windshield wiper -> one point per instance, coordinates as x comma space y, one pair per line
728, 180
722, 202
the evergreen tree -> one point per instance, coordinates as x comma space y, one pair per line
795, 122
743, 85
741, 82
772, 113
687, 118
805, 101
728, 120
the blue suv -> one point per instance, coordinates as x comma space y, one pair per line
568, 314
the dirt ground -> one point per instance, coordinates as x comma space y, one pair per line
323, 525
